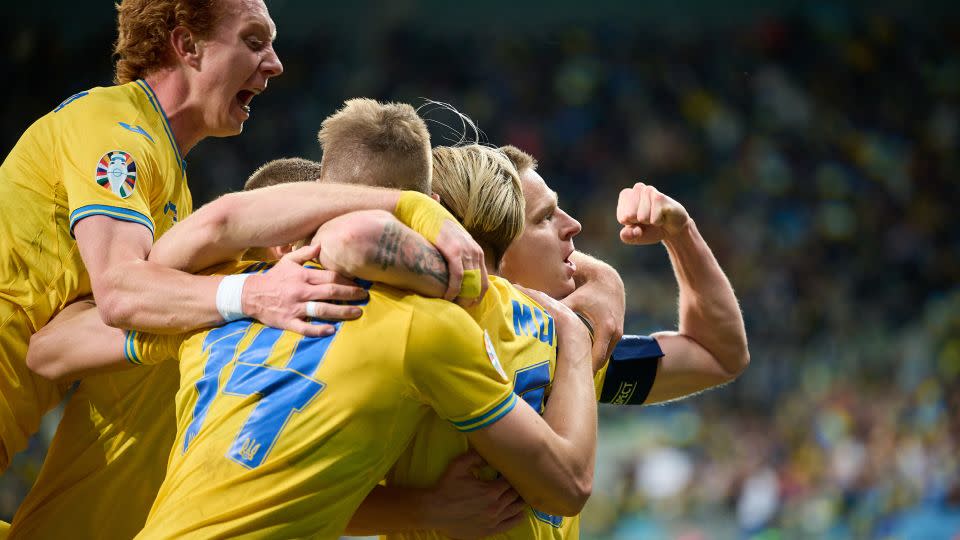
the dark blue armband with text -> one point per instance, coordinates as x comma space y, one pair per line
631, 371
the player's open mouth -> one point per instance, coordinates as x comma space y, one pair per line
243, 99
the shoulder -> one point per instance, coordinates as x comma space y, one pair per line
96, 102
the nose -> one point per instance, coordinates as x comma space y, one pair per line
569, 227
270, 65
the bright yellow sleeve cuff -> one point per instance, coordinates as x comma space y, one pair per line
422, 214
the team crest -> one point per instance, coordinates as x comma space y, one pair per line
492, 355
117, 171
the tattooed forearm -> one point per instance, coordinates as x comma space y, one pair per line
388, 246
404, 250
424, 259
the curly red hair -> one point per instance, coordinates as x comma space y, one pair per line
143, 32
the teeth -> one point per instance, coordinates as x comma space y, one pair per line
246, 108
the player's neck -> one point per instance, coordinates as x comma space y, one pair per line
185, 118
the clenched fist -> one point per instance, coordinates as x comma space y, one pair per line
649, 216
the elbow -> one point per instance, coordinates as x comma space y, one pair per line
737, 364
352, 245
116, 309
578, 495
40, 360
566, 493
570, 499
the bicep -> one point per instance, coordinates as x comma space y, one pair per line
686, 368
105, 243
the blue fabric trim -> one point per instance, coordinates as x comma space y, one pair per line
130, 348
155, 102
115, 212
485, 419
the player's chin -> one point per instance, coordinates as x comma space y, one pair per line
230, 128
564, 287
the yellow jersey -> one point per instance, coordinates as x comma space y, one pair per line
524, 338
282, 436
106, 151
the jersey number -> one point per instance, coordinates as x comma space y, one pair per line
282, 390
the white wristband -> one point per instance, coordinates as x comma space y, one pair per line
229, 296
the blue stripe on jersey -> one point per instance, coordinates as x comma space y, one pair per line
166, 123
490, 417
115, 212
130, 348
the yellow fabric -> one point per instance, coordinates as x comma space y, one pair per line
599, 378
24, 396
4, 529
51, 174
107, 458
524, 337
422, 214
339, 412
470, 286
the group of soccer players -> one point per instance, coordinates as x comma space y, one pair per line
332, 350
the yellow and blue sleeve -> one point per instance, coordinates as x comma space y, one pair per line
450, 368
107, 169
141, 348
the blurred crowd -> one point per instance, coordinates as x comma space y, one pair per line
817, 153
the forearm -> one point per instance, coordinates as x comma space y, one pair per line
549, 459
600, 298
571, 412
146, 296
272, 216
709, 312
592, 270
390, 510
375, 246
74, 344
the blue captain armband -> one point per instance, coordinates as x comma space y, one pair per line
631, 371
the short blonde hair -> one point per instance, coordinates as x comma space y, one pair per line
481, 187
520, 159
283, 171
372, 143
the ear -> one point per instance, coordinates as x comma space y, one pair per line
434, 196
185, 47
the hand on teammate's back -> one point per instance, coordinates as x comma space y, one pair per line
649, 216
463, 506
279, 297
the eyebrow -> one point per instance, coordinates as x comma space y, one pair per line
551, 206
258, 25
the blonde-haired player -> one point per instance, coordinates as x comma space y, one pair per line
107, 459
424, 500
482, 188
364, 422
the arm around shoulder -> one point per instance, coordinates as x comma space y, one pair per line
550, 460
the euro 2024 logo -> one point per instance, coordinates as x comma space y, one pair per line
117, 171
